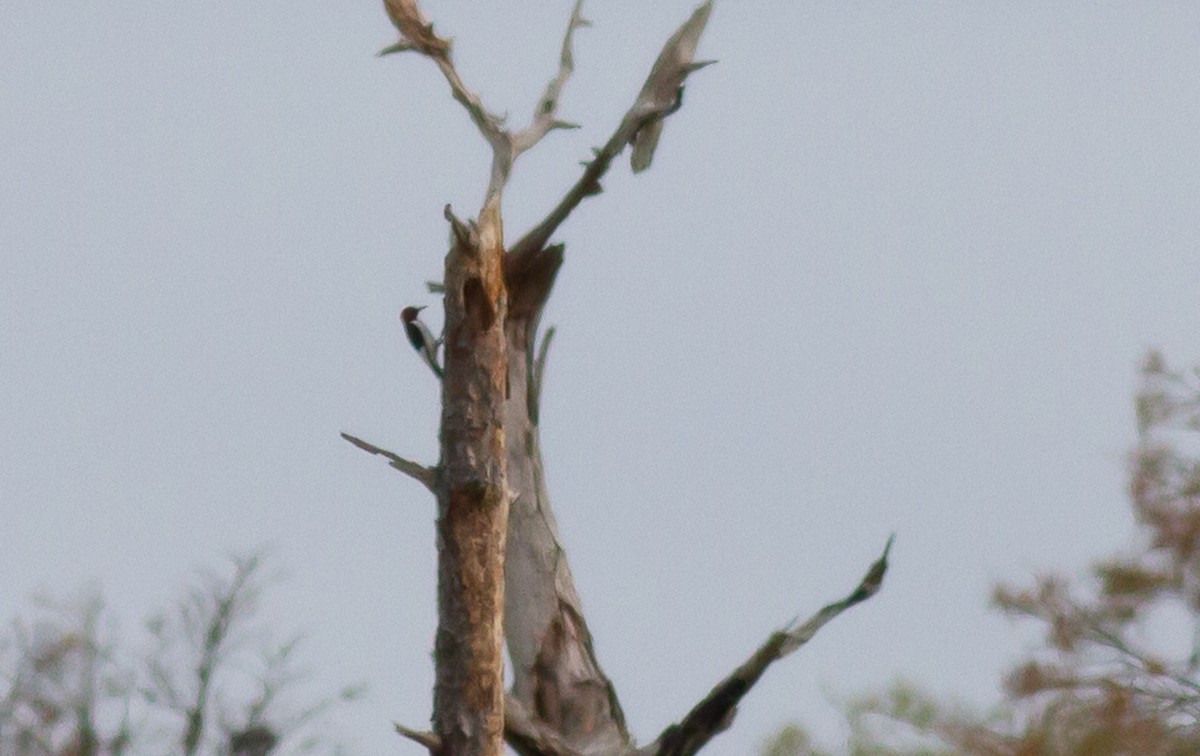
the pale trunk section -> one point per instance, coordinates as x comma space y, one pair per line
556, 677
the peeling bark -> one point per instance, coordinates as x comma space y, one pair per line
473, 497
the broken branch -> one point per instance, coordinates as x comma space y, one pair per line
431, 741
426, 476
535, 380
662, 93
716, 711
415, 30
465, 235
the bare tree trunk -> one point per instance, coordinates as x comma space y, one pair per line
468, 702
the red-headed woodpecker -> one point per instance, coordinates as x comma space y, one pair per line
420, 337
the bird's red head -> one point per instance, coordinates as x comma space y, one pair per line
409, 314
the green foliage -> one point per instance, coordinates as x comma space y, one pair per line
791, 740
905, 713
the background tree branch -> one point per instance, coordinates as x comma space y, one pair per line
67, 686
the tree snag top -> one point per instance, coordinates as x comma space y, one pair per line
498, 540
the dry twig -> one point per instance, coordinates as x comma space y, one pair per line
426, 476
425, 738
417, 35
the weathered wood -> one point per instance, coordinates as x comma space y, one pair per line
426, 476
661, 95
473, 498
557, 679
502, 570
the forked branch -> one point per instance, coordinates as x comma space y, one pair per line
641, 125
417, 35
716, 711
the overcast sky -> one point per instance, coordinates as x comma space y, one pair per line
892, 270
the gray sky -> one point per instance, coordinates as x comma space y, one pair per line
893, 269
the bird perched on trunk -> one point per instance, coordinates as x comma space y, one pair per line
420, 337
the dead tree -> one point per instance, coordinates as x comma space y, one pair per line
503, 575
